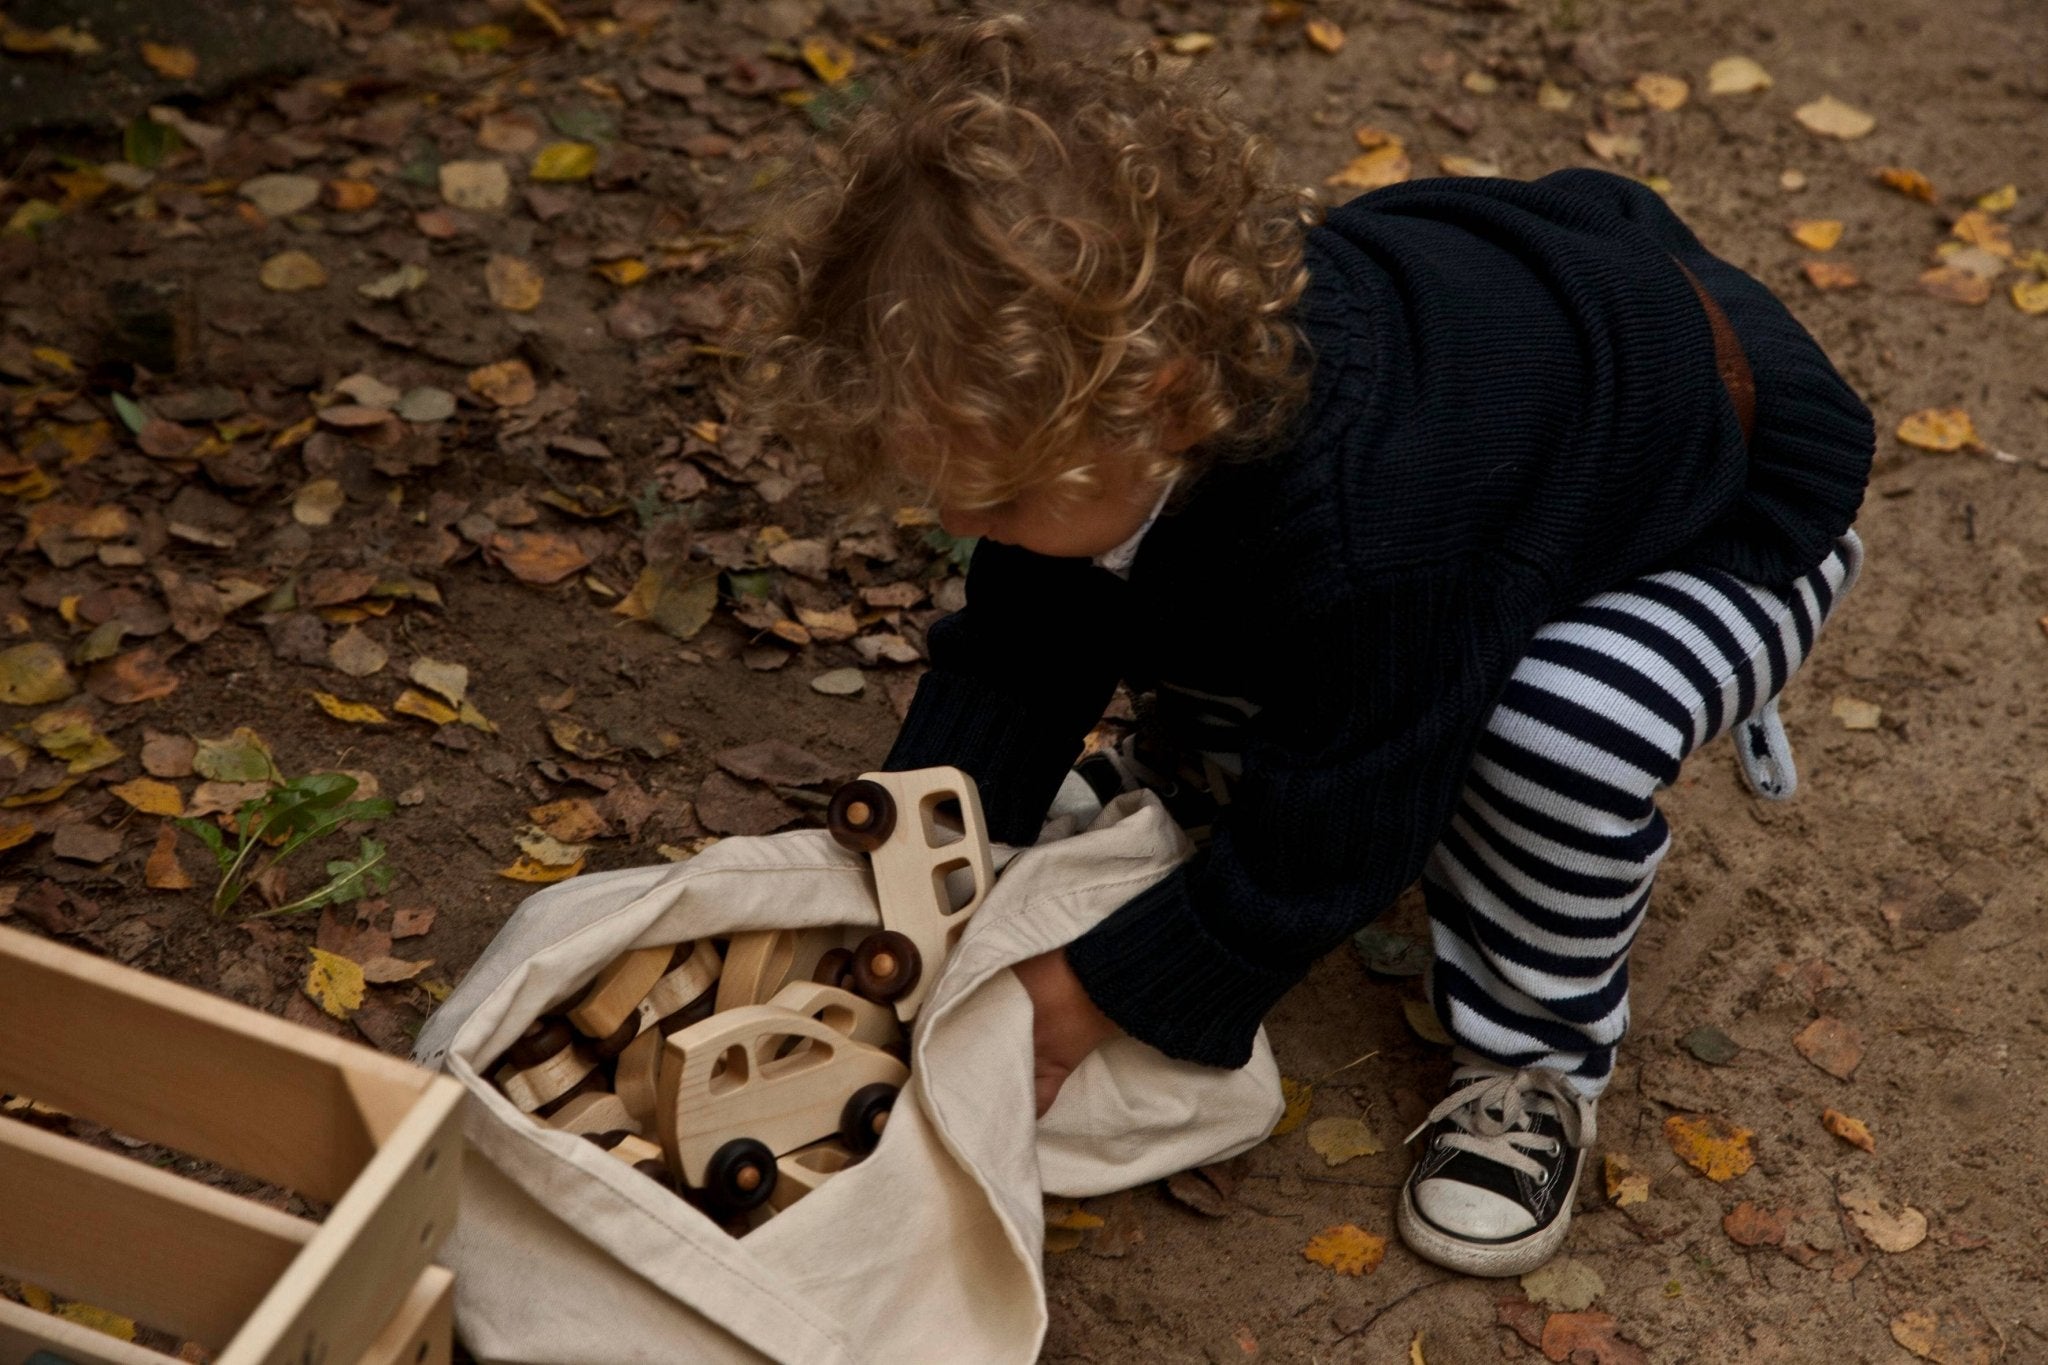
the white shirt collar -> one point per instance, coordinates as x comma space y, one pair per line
1119, 560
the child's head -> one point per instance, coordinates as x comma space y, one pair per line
1016, 276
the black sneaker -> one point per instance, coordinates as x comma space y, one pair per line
1492, 1193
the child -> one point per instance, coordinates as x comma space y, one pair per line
1442, 528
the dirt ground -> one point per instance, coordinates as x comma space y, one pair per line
247, 555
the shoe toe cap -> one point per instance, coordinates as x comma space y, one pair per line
1469, 1211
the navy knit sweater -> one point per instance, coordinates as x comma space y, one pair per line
1514, 405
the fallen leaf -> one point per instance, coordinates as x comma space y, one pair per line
13, 834
150, 796
451, 680
1191, 1190
514, 285
292, 272
280, 196
1379, 167
1421, 1017
1980, 229
545, 849
1855, 714
70, 734
1075, 1220
574, 737
1832, 1045
572, 820
34, 674
2031, 296
385, 970
1662, 92
350, 196
1830, 117
83, 843
1737, 76
1324, 35
840, 682
1939, 429
1910, 183
163, 871
1750, 1226
481, 185
1338, 1140
424, 707
727, 806
1710, 1045
1613, 146
317, 503
776, 761
1815, 234
1453, 164
403, 280
627, 270
1348, 1249
354, 712
1588, 1339
679, 600
506, 384
1711, 1145
829, 59
356, 654
1853, 1131
539, 557
241, 757
1191, 44
426, 404
411, 922
1953, 1338
1554, 98
1625, 1184
1059, 1241
525, 869
1389, 954
1564, 1284
1956, 285
1295, 1099
334, 983
101, 1320
1892, 1233
560, 161
178, 64
1830, 274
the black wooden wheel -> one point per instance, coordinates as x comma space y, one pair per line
886, 966
861, 816
835, 968
543, 1038
739, 1176
866, 1113
621, 1038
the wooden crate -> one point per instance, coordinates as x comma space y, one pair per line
375, 1137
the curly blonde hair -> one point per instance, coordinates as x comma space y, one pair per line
1012, 265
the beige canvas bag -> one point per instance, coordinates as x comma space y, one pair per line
930, 1249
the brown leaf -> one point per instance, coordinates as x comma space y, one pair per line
1832, 1045
514, 285
1750, 1226
1888, 1232
1958, 286
726, 806
411, 922
136, 676
1855, 1132
164, 872
171, 62
1910, 183
1523, 1318
292, 272
1191, 1190
1956, 1337
1588, 1339
573, 821
776, 761
539, 557
83, 843
506, 384
574, 737
1625, 1184
356, 654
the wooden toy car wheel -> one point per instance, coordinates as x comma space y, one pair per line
543, 1038
740, 1176
862, 815
835, 968
866, 1112
885, 966
619, 1041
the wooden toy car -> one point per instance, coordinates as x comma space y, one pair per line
548, 1065
859, 1019
929, 877
752, 1084
761, 962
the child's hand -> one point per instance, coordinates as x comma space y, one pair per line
1065, 1024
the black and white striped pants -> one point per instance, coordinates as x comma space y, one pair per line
1540, 883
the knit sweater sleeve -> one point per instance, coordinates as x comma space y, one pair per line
1018, 677
1348, 781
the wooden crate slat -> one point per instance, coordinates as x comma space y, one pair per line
363, 1261
23, 1332
202, 1075
421, 1332
111, 1231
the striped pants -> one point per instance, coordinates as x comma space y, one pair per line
1542, 879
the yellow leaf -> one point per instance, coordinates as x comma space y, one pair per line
545, 12
1939, 429
151, 797
1379, 167
629, 271
16, 833
1340, 1140
1192, 44
99, 1320
830, 59
1853, 1131
564, 161
1347, 1249
1737, 76
1415, 1351
1662, 92
69, 734
1830, 117
1078, 1220
178, 64
475, 719
1625, 1184
507, 384
1059, 1241
1830, 274
1324, 35
32, 214
525, 869
1422, 1018
33, 674
335, 983
1815, 234
38, 1298
514, 285
1297, 1096
1912, 184
1980, 229
1855, 714
1999, 200
354, 712
2031, 297
545, 849
1711, 1145
292, 272
419, 704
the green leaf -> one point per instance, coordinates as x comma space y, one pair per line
209, 834
760, 583
355, 878
131, 413
1389, 954
585, 124
1710, 1045
146, 142
957, 549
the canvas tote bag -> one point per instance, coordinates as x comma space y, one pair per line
928, 1250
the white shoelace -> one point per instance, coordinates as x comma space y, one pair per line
1493, 1107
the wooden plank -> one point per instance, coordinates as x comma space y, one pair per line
24, 1331
422, 1332
111, 1231
202, 1075
362, 1263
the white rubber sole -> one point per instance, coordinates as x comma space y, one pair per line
1496, 1260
